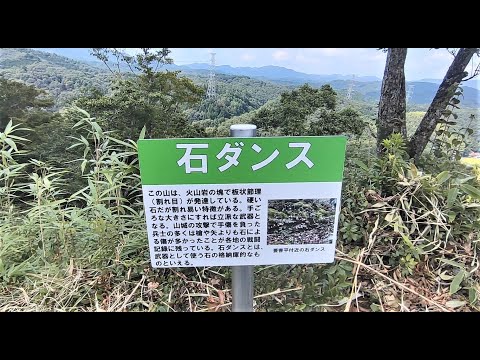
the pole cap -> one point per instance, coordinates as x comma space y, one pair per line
243, 130
243, 127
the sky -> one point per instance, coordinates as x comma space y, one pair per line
421, 63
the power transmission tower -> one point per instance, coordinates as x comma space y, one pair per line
211, 89
350, 89
409, 92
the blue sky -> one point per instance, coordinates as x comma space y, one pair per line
421, 62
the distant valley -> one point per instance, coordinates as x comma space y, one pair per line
65, 77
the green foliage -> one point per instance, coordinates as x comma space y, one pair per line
17, 99
308, 111
236, 95
53, 230
409, 211
48, 132
72, 228
319, 287
62, 78
345, 121
146, 61
151, 100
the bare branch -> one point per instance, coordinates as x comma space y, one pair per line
475, 73
102, 55
453, 52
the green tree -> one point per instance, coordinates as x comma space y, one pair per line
391, 114
49, 133
144, 96
446, 91
392, 106
18, 99
308, 111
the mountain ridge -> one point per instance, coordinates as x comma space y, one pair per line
58, 73
270, 72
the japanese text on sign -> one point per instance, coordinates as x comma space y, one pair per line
233, 160
242, 201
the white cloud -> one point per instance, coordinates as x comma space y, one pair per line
306, 59
248, 57
378, 56
421, 62
440, 54
280, 55
329, 51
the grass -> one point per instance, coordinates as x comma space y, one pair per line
414, 249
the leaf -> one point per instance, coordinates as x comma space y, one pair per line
19, 137
97, 128
453, 263
300, 307
93, 189
455, 101
407, 241
457, 280
83, 140
11, 143
82, 167
8, 128
413, 170
472, 205
119, 142
380, 204
452, 304
443, 176
472, 295
78, 123
142, 133
73, 146
47, 183
445, 277
390, 216
458, 181
451, 216
452, 196
470, 190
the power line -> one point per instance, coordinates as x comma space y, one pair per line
211, 89
350, 90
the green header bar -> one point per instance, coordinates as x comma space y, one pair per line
242, 160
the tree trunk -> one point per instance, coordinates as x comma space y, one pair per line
392, 106
455, 74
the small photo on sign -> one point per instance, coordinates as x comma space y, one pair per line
301, 221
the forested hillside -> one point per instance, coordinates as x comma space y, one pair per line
236, 95
72, 218
63, 79
66, 79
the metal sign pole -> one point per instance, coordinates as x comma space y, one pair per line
242, 276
